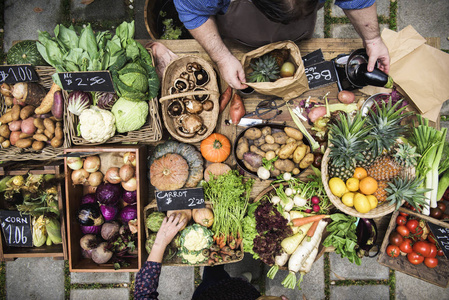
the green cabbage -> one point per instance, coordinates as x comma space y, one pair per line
129, 115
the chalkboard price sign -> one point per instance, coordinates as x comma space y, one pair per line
12, 74
16, 228
180, 199
91, 81
320, 74
442, 236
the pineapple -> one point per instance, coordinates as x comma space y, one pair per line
407, 189
265, 69
381, 193
368, 159
405, 155
347, 142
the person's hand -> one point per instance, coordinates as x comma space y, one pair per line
169, 228
162, 56
231, 71
377, 51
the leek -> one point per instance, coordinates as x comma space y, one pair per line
313, 144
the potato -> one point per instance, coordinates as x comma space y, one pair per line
59, 133
259, 142
299, 153
15, 112
15, 125
270, 147
23, 143
287, 150
27, 126
39, 123
275, 172
5, 131
242, 147
280, 137
49, 134
306, 161
294, 133
27, 112
56, 143
269, 139
249, 167
2, 139
14, 136
38, 145
269, 155
6, 144
346, 97
40, 137
266, 131
256, 150
253, 133
284, 165
289, 140
24, 135
296, 171
6, 118
49, 125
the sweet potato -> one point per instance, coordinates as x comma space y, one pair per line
57, 109
47, 103
14, 137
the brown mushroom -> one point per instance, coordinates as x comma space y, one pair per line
191, 84
193, 106
208, 105
201, 77
190, 123
201, 98
193, 66
181, 85
172, 90
202, 130
175, 108
185, 75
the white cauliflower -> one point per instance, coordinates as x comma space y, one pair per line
96, 125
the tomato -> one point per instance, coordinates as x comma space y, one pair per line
440, 252
401, 220
403, 230
431, 262
433, 251
436, 213
412, 225
441, 205
431, 238
403, 214
422, 248
406, 246
395, 238
393, 251
415, 258
287, 69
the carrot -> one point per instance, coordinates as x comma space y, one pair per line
214, 255
47, 103
231, 242
301, 221
238, 240
224, 99
211, 262
237, 110
312, 229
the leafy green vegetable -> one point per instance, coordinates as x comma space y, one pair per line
343, 236
171, 32
129, 115
249, 230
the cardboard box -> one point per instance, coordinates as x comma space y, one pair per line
110, 155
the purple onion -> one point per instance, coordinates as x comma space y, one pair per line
90, 229
130, 197
128, 213
79, 101
109, 212
108, 193
88, 198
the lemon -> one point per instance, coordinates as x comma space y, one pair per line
337, 186
348, 199
372, 201
361, 203
352, 184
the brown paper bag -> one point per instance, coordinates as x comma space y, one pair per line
286, 88
420, 70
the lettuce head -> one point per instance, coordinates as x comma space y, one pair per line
129, 115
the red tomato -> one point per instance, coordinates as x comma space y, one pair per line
401, 220
440, 252
441, 205
393, 251
433, 251
403, 214
422, 248
395, 238
406, 246
403, 230
431, 238
412, 225
415, 258
431, 262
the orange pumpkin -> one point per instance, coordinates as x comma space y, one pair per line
169, 172
215, 148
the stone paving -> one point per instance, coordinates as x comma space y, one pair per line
331, 276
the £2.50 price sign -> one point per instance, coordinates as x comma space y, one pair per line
16, 228
90, 81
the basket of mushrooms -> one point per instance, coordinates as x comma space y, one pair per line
189, 101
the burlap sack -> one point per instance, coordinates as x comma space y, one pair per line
286, 88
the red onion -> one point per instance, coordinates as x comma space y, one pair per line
95, 178
88, 198
130, 185
109, 212
112, 175
90, 229
130, 197
92, 164
74, 163
126, 172
128, 213
79, 176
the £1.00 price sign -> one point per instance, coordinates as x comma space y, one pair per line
16, 228
91, 81
12, 74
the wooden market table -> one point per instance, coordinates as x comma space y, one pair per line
330, 47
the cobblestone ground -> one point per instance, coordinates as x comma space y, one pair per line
331, 276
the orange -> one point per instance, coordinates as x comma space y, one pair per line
368, 185
360, 173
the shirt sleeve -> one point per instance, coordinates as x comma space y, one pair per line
354, 4
194, 13
147, 281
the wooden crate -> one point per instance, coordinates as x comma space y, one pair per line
438, 275
58, 251
77, 263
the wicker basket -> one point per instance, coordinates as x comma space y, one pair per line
13, 153
381, 210
150, 132
173, 71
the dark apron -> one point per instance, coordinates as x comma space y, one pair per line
244, 23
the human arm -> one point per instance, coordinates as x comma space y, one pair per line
230, 68
365, 23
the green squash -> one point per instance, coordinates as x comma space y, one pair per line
25, 52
